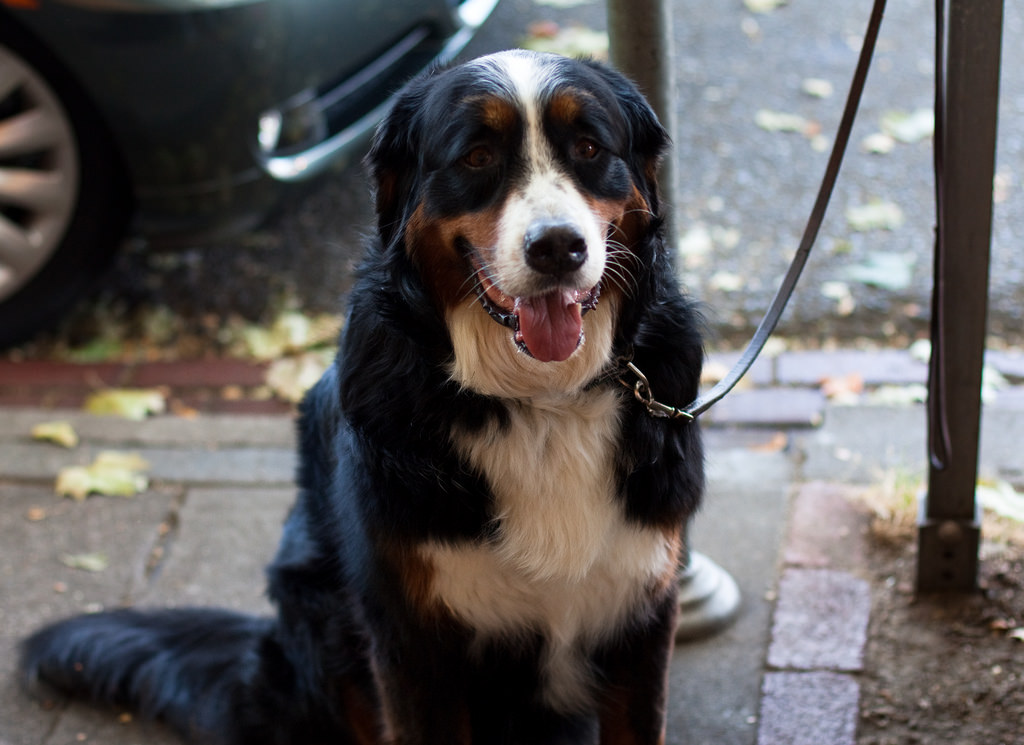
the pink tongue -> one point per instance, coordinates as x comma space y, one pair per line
550, 325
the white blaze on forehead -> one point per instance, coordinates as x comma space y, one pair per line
545, 191
525, 77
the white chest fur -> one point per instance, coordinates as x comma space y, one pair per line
564, 562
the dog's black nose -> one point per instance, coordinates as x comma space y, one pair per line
555, 248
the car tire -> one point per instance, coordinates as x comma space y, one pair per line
64, 204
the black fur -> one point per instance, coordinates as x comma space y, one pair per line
350, 657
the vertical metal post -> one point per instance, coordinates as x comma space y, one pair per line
949, 531
640, 37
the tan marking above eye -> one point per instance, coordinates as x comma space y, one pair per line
565, 106
497, 114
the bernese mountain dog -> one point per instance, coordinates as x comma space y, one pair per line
488, 530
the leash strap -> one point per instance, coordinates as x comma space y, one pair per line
785, 291
939, 446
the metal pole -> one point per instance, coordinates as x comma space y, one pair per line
949, 531
640, 40
640, 37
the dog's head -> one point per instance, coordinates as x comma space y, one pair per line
522, 187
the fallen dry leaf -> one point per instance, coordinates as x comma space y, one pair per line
726, 281
291, 331
780, 121
843, 388
91, 562
898, 395
876, 215
119, 459
712, 372
817, 87
183, 410
291, 377
1000, 497
889, 270
778, 442
696, 241
112, 474
763, 6
129, 403
878, 143
909, 128
574, 41
921, 350
841, 294
35, 514
60, 433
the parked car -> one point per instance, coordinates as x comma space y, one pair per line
181, 118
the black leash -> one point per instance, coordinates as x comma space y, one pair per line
640, 386
938, 424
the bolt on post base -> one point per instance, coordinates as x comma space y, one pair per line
947, 553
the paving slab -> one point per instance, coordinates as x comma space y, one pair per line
774, 407
200, 431
227, 465
1009, 363
180, 373
876, 367
761, 373
715, 683
222, 540
860, 444
818, 708
827, 527
821, 621
36, 530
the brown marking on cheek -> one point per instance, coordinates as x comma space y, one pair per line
628, 220
432, 244
416, 575
651, 172
362, 715
634, 218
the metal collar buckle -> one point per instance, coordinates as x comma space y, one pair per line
643, 393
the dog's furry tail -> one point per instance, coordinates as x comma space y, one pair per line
183, 666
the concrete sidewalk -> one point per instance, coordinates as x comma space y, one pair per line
781, 459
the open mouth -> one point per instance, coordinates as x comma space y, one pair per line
548, 326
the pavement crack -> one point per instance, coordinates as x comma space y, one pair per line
160, 549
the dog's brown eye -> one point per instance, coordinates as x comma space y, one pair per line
587, 149
478, 157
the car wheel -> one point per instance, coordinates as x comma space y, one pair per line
63, 201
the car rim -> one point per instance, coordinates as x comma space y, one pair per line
38, 173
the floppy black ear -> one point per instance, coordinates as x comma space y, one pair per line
648, 140
394, 158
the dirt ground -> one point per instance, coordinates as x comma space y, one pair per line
944, 670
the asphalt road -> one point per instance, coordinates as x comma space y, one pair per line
745, 191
